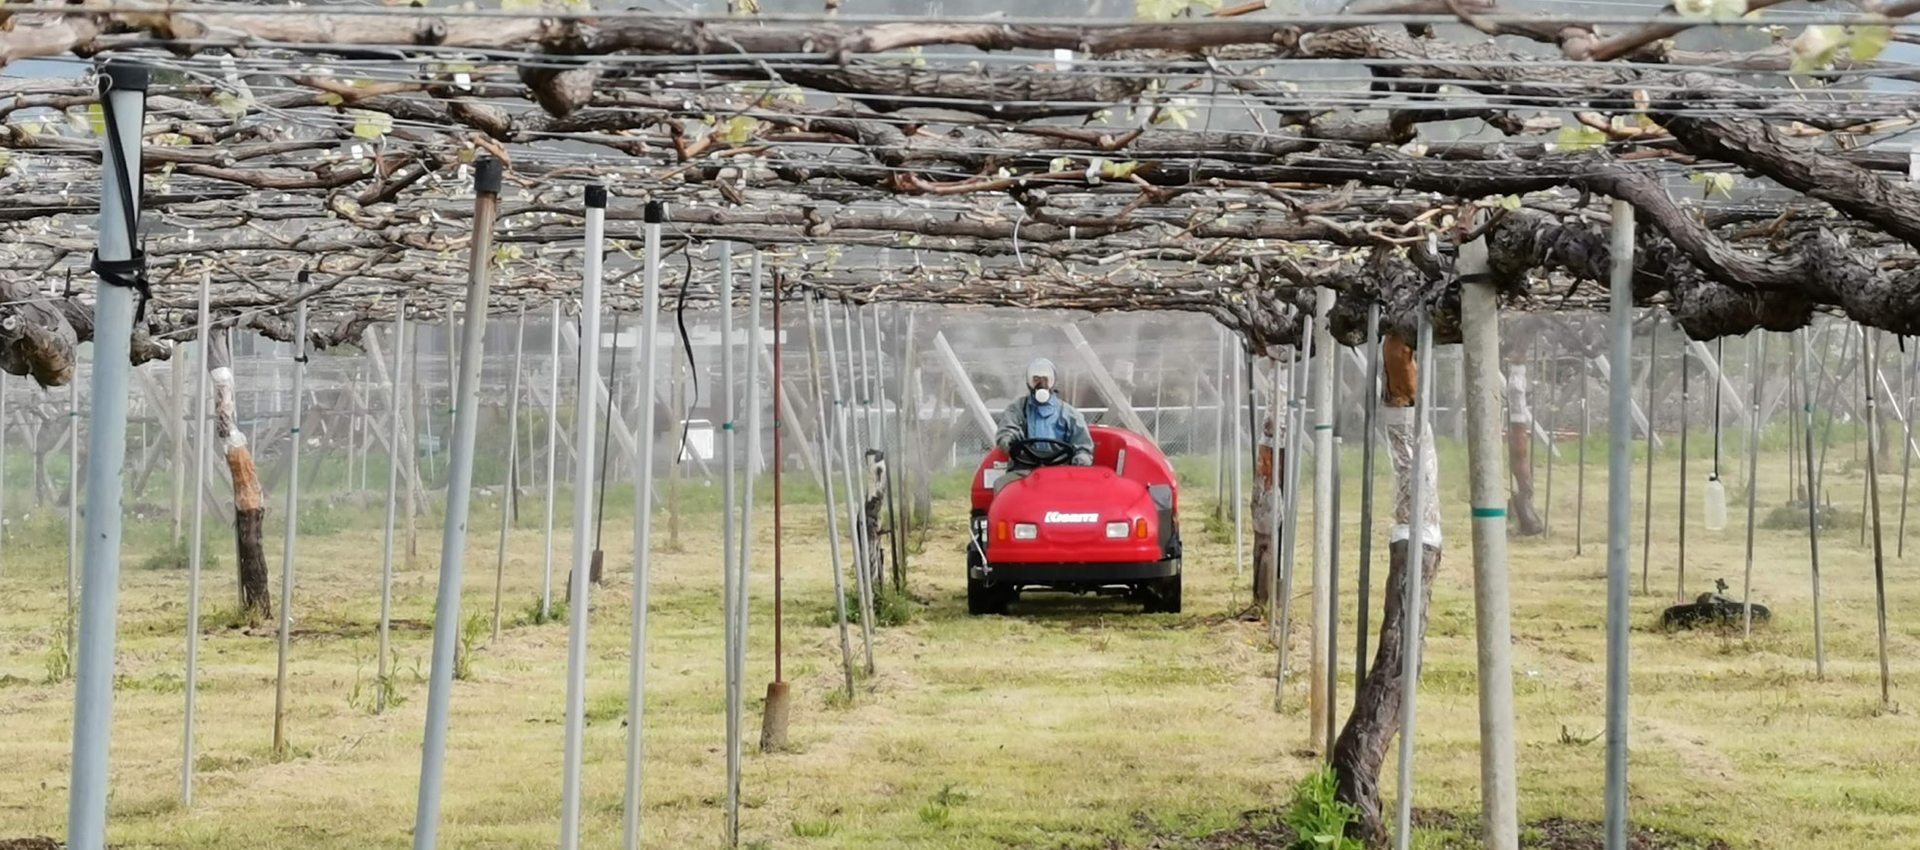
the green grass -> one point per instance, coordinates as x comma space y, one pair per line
1074, 722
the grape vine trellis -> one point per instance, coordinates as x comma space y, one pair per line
1163, 165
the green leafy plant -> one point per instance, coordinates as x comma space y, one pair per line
475, 627
1318, 817
821, 828
59, 658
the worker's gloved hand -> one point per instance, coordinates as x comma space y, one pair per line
1082, 459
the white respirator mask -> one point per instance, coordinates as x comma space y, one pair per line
1042, 395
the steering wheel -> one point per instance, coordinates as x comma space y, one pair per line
1040, 451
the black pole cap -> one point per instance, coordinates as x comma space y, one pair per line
656, 213
596, 197
124, 75
487, 173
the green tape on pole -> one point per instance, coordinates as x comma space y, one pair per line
1323, 427
1489, 513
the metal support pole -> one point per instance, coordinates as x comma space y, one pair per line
196, 555
292, 529
1872, 354
1416, 562
1368, 443
833, 523
1646, 522
1906, 465
842, 413
513, 461
394, 464
1753, 489
1290, 524
728, 551
453, 541
1242, 373
649, 361
1492, 605
553, 454
123, 92
73, 504
1323, 516
1619, 523
1580, 474
585, 402
1686, 387
1813, 518
1275, 531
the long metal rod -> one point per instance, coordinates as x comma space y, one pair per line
196, 555
1368, 442
123, 88
1753, 485
1242, 376
394, 465
1907, 361
1813, 511
1290, 524
780, 414
292, 530
729, 549
1492, 602
453, 542
1549, 371
1275, 532
1872, 353
513, 464
1321, 350
553, 454
578, 579
1580, 472
1416, 564
1619, 521
833, 523
1646, 522
649, 363
73, 506
1686, 389
842, 414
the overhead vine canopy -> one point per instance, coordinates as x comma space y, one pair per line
1186, 156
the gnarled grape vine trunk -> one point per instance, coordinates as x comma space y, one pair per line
249, 510
1362, 746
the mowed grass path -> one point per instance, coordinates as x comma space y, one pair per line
1072, 723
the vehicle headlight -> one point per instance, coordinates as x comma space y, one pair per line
1117, 530
1025, 531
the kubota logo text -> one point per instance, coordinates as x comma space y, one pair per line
1058, 517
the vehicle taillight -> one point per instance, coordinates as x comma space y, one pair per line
1117, 530
1025, 531
1140, 528
1000, 530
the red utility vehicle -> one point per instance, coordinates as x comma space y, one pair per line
1109, 528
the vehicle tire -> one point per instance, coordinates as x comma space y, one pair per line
983, 598
1165, 596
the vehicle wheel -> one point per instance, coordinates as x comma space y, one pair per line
983, 598
1164, 596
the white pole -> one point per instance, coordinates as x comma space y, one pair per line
394, 465
1619, 521
745, 565
842, 414
655, 215
1239, 463
1282, 427
453, 540
73, 501
123, 90
513, 460
833, 523
553, 452
1753, 471
195, 556
1480, 324
1416, 565
292, 527
728, 553
1322, 357
1290, 524
583, 472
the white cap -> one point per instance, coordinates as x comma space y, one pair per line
1041, 367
